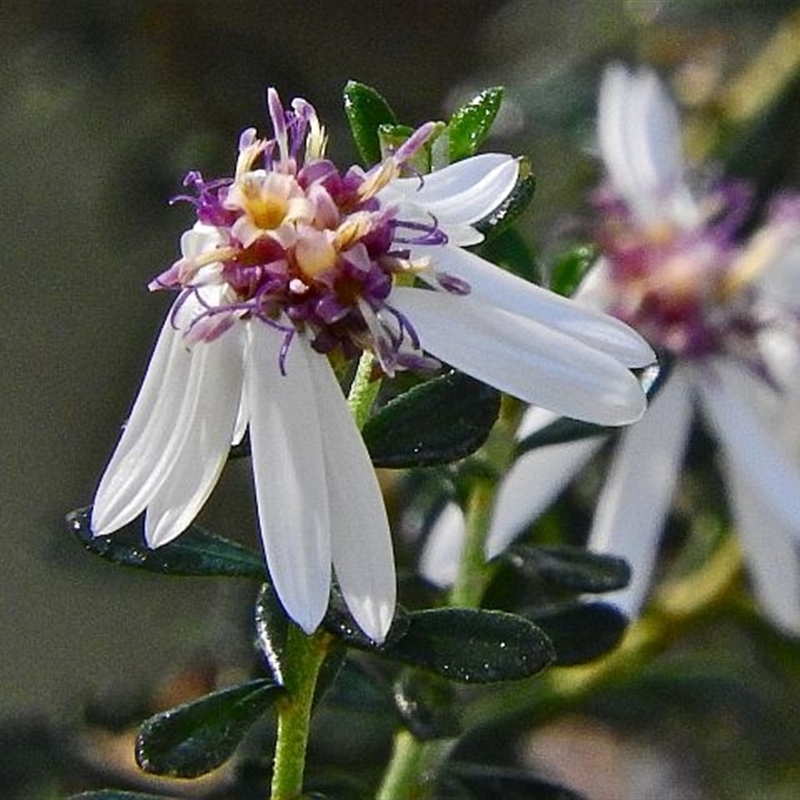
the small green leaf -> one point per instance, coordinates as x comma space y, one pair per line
198, 737
511, 208
470, 125
573, 569
471, 645
272, 627
366, 111
114, 794
564, 429
436, 422
580, 632
194, 552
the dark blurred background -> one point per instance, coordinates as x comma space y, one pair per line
104, 106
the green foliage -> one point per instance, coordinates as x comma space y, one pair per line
436, 422
567, 568
470, 124
580, 631
366, 111
197, 737
468, 645
195, 552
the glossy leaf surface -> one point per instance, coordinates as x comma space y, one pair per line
470, 124
195, 552
471, 646
366, 111
436, 422
198, 737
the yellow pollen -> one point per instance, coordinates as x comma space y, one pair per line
267, 210
354, 228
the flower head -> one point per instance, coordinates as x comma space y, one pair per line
292, 260
676, 267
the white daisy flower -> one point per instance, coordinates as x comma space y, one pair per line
291, 261
674, 268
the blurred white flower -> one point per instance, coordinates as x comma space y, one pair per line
292, 260
674, 269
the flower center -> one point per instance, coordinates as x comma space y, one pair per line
302, 247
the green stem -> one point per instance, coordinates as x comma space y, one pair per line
676, 608
304, 657
411, 772
473, 572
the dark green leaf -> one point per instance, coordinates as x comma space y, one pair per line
195, 552
470, 125
580, 632
472, 646
564, 429
436, 422
272, 627
115, 794
503, 783
366, 111
198, 737
511, 208
425, 704
573, 569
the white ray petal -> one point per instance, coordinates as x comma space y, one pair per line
463, 192
499, 288
639, 487
154, 431
361, 542
753, 449
289, 473
640, 143
441, 555
770, 552
199, 462
533, 482
522, 357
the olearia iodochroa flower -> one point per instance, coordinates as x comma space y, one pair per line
292, 261
674, 267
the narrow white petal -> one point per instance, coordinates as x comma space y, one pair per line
522, 357
754, 451
441, 555
360, 538
150, 438
770, 552
640, 142
210, 422
463, 192
532, 483
497, 287
639, 487
290, 477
